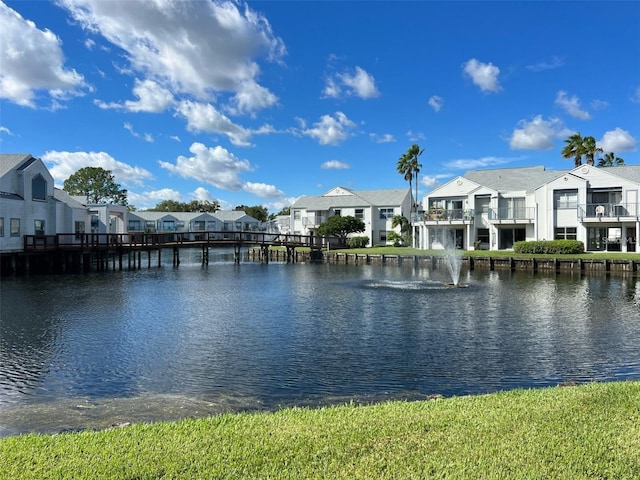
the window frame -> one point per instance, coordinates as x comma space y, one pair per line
14, 227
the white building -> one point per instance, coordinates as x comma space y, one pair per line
163, 222
376, 208
493, 209
31, 205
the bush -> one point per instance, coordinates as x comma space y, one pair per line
554, 247
358, 242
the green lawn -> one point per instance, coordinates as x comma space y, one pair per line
487, 253
589, 431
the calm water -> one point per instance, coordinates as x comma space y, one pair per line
89, 351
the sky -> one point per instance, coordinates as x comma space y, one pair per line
263, 102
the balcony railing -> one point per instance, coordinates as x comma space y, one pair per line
438, 214
607, 210
512, 214
314, 221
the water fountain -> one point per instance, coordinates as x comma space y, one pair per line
453, 260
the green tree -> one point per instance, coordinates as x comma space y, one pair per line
192, 206
203, 206
97, 184
590, 149
409, 166
341, 227
258, 212
610, 160
574, 148
284, 211
405, 228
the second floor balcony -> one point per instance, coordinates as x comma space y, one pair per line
607, 211
512, 215
447, 215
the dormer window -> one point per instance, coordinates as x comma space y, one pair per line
38, 188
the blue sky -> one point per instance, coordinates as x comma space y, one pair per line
260, 103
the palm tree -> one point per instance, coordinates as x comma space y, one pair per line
610, 160
574, 148
408, 165
590, 149
405, 227
402, 222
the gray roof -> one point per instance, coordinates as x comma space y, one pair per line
9, 161
233, 216
222, 215
359, 198
510, 179
64, 197
628, 172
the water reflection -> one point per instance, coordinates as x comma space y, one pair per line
234, 337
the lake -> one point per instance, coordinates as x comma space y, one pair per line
102, 349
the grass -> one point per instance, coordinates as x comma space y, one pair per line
587, 431
389, 250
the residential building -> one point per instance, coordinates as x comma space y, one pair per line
493, 209
221, 221
376, 208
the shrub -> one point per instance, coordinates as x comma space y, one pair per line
358, 242
554, 247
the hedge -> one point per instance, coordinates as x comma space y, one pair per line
554, 247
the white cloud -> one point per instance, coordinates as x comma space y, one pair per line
537, 134
251, 97
196, 48
599, 104
618, 141
571, 105
635, 98
360, 83
357, 83
429, 181
334, 165
330, 130
385, 138
263, 190
147, 136
331, 88
213, 165
203, 117
150, 199
202, 194
64, 164
152, 98
6, 131
415, 136
436, 102
475, 163
484, 75
21, 76
555, 62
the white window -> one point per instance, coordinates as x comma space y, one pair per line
565, 199
386, 213
15, 227
360, 213
566, 233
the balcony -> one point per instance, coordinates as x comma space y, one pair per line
313, 221
597, 212
514, 215
437, 215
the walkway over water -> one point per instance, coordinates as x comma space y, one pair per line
79, 251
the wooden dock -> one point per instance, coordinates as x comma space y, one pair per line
103, 251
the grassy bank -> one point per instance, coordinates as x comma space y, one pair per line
489, 253
590, 431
